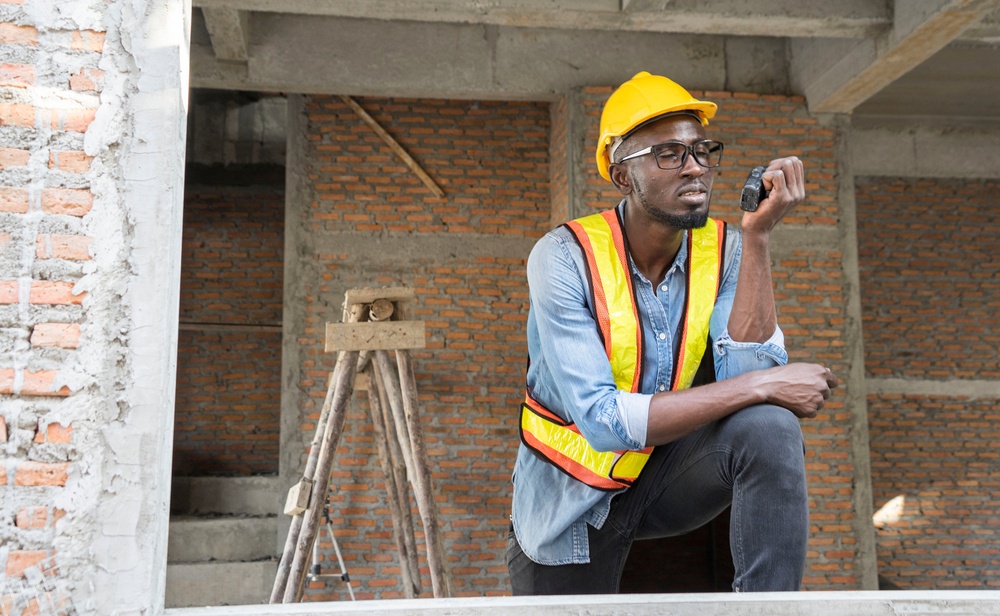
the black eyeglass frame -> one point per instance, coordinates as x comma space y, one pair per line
688, 149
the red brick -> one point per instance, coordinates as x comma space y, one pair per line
71, 247
62, 335
86, 80
54, 433
17, 75
73, 120
16, 114
42, 383
31, 517
72, 161
87, 40
41, 473
19, 560
8, 292
13, 200
12, 157
18, 35
69, 201
54, 292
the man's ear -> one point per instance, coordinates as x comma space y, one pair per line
621, 178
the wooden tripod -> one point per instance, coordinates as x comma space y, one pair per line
373, 325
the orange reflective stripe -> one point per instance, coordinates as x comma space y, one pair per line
600, 236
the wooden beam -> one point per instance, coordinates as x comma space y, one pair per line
369, 295
385, 335
395, 147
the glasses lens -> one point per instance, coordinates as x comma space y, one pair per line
670, 155
673, 154
708, 153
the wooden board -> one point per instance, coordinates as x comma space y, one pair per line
383, 335
367, 296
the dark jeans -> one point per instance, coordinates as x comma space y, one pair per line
753, 460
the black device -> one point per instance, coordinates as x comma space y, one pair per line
753, 190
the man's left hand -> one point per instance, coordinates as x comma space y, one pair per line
785, 179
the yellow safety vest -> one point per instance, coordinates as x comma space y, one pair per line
603, 242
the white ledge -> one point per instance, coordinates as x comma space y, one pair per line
848, 603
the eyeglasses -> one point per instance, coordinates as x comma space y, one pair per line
673, 154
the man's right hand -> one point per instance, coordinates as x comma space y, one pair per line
801, 388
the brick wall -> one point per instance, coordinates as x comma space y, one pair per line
45, 249
470, 375
371, 222
229, 348
929, 276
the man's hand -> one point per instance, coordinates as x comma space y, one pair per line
800, 388
785, 179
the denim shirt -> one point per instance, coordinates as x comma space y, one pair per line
570, 374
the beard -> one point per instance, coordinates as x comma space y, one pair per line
689, 220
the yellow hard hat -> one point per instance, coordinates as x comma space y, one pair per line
639, 100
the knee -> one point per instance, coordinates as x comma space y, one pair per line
769, 431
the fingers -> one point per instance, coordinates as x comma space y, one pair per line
787, 176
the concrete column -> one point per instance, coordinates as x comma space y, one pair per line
865, 560
568, 151
137, 139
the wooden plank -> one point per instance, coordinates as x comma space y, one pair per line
395, 147
385, 335
369, 295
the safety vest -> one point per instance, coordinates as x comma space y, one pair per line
615, 309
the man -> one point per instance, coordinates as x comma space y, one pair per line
626, 306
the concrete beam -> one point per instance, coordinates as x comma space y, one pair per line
958, 388
845, 18
836, 79
228, 28
926, 151
310, 54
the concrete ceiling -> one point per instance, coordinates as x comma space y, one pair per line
892, 61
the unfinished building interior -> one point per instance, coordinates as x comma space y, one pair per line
163, 341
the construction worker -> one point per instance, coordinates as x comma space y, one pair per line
629, 309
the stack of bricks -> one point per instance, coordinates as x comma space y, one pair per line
50, 83
930, 278
227, 413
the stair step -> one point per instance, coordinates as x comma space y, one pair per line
256, 495
204, 584
194, 539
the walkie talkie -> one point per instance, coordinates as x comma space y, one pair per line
753, 190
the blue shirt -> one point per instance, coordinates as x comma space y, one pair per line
569, 373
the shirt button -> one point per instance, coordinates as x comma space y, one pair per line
664, 288
663, 336
662, 387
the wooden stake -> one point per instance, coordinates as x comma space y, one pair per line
400, 476
387, 372
321, 479
394, 146
422, 478
284, 565
392, 492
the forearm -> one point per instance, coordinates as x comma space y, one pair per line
673, 414
753, 317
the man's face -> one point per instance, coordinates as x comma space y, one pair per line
677, 198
